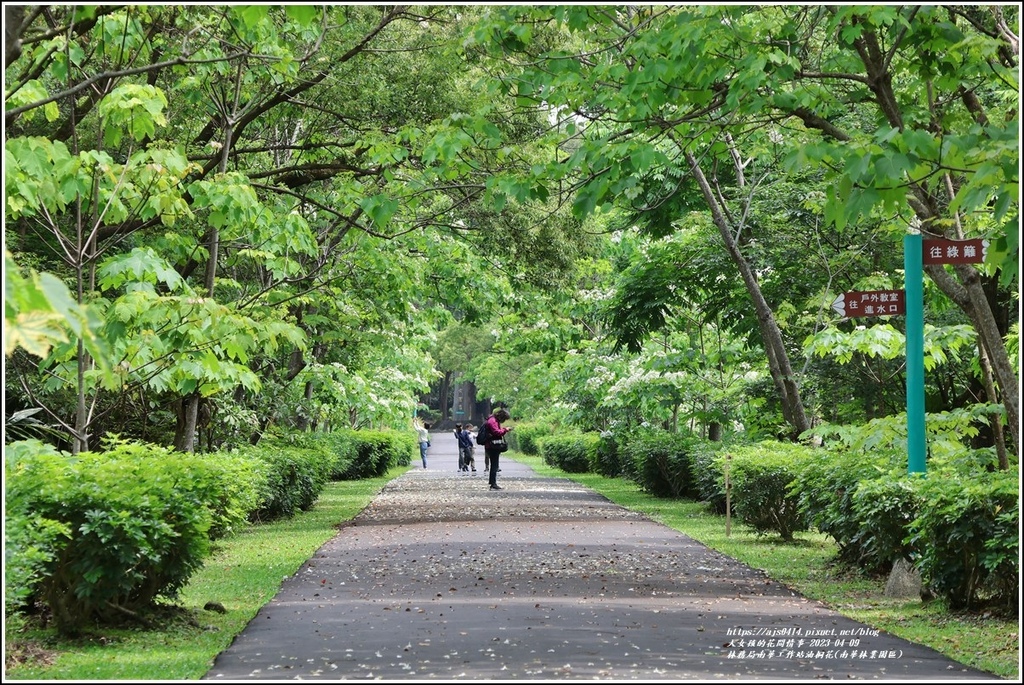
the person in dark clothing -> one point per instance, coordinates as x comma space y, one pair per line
467, 449
495, 433
458, 439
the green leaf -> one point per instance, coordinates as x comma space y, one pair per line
380, 209
303, 14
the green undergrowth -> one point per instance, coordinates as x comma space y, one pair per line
244, 573
806, 565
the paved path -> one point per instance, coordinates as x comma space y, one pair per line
441, 578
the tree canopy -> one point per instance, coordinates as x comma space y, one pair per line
225, 219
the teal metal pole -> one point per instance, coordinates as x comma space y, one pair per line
914, 292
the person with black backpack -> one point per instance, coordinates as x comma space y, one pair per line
492, 437
465, 448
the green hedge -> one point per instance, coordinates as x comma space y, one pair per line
958, 522
370, 454
760, 475
659, 461
707, 475
608, 461
98, 536
967, 537
570, 452
884, 508
292, 476
526, 437
332, 446
826, 488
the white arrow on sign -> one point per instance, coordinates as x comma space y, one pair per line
839, 304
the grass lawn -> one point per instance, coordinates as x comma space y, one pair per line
247, 570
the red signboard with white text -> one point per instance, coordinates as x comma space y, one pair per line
941, 251
870, 303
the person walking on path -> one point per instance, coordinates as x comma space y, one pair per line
458, 440
495, 444
466, 449
422, 429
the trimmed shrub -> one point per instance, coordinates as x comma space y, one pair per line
707, 473
659, 461
525, 438
31, 540
760, 476
116, 529
871, 507
884, 509
607, 462
825, 489
370, 454
293, 476
570, 452
968, 538
333, 446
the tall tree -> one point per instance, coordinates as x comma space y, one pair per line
909, 110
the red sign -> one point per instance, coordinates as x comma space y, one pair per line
871, 303
941, 251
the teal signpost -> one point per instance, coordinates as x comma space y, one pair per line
913, 286
910, 301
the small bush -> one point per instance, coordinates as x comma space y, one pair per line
31, 540
884, 509
116, 529
525, 438
370, 454
761, 475
570, 452
659, 461
825, 488
608, 461
233, 494
967, 536
334, 447
707, 473
293, 477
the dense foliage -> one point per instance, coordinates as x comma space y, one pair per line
105, 534
102, 537
265, 232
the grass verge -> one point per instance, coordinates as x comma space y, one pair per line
986, 642
244, 573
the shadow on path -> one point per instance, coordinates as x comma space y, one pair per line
440, 578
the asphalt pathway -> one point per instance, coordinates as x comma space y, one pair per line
441, 578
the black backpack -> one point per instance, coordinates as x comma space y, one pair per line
483, 436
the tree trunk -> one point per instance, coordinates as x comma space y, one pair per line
997, 422
303, 421
185, 432
778, 358
443, 398
80, 441
13, 18
185, 441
